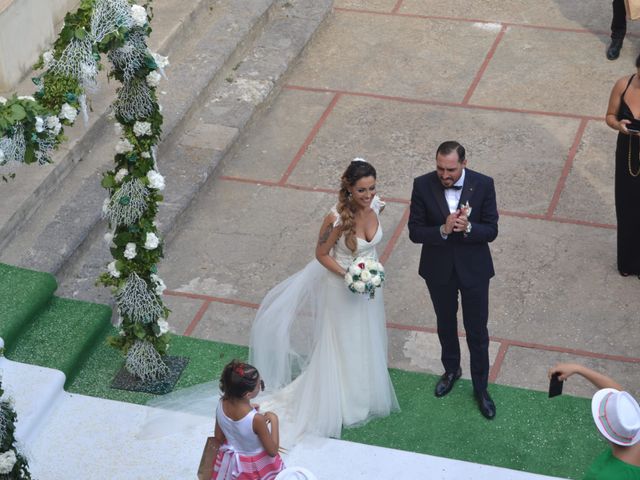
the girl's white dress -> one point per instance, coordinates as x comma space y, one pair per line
322, 350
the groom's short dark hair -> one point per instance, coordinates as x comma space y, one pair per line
449, 146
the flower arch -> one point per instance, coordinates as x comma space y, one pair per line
31, 127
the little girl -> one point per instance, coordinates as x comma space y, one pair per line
247, 441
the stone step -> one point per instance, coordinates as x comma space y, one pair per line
227, 106
217, 38
30, 292
30, 203
50, 331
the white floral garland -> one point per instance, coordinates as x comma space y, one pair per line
32, 126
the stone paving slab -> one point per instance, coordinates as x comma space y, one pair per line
581, 14
588, 192
372, 5
523, 74
524, 153
288, 120
410, 57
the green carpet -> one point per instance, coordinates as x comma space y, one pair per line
23, 293
531, 432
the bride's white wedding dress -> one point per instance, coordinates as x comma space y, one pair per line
322, 350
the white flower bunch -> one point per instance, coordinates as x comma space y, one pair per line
7, 461
124, 146
160, 285
164, 326
113, 270
108, 238
39, 124
145, 155
161, 61
3, 100
153, 79
139, 15
141, 129
119, 176
151, 242
53, 124
130, 251
364, 276
47, 58
67, 112
27, 97
156, 180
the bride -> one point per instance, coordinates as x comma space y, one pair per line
321, 349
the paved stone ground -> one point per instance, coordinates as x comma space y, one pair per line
524, 86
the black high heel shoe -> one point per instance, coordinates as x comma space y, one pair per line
625, 274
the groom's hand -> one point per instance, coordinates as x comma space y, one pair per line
449, 226
460, 223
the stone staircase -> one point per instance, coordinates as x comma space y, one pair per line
228, 60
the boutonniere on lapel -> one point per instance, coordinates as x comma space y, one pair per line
466, 209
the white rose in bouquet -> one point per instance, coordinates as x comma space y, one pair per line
359, 286
365, 276
376, 281
354, 269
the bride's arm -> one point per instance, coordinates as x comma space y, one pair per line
328, 237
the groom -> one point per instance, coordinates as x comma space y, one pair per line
453, 214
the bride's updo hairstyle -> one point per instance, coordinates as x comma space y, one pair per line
238, 378
356, 170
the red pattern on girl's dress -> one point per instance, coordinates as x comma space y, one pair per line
261, 466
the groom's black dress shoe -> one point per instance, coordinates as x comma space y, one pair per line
445, 384
486, 405
613, 51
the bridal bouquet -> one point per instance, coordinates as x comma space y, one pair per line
364, 276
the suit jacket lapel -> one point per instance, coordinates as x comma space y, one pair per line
438, 194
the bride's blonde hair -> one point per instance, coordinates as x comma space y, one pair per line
356, 170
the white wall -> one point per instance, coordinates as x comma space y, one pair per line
27, 28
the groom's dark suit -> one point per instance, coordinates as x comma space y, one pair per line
460, 263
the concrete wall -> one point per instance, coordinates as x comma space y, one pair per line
27, 28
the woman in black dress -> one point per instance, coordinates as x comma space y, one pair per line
623, 115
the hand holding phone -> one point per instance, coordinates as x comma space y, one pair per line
555, 385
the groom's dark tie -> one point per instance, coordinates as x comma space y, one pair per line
454, 187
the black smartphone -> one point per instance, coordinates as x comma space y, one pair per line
634, 126
555, 386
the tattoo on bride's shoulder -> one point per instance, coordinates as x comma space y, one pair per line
324, 236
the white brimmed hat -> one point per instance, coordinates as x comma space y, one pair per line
617, 416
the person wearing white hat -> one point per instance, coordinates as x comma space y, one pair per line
617, 416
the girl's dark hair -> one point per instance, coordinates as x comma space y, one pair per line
238, 378
354, 172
